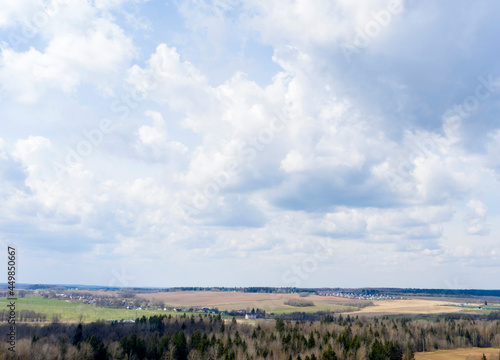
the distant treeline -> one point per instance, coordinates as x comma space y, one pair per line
205, 337
365, 291
452, 292
303, 316
19, 293
299, 303
24, 315
414, 291
285, 290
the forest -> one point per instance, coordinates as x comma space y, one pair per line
211, 337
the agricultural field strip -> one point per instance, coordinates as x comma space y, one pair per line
467, 306
72, 311
457, 354
413, 306
207, 298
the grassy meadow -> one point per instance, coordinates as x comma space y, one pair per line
68, 311
76, 311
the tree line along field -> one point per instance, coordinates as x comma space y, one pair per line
271, 302
210, 337
72, 311
276, 303
67, 311
76, 311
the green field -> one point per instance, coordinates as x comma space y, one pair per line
73, 312
311, 309
473, 309
278, 307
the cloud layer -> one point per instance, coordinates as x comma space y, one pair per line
245, 136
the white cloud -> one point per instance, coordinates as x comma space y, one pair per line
348, 222
293, 162
16, 10
327, 23
477, 217
155, 138
284, 164
169, 80
94, 53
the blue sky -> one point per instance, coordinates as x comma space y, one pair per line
228, 143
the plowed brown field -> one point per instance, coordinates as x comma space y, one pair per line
459, 354
412, 306
274, 302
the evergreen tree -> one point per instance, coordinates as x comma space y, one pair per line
377, 352
77, 338
195, 340
153, 351
329, 354
408, 355
311, 342
164, 344
179, 343
280, 325
393, 351
98, 349
204, 343
63, 348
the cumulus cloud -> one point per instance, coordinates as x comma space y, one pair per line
177, 83
478, 215
364, 154
93, 52
14, 11
155, 138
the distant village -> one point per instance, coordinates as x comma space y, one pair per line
358, 296
138, 304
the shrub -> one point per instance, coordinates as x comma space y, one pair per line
299, 302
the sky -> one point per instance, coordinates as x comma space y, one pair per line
306, 143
